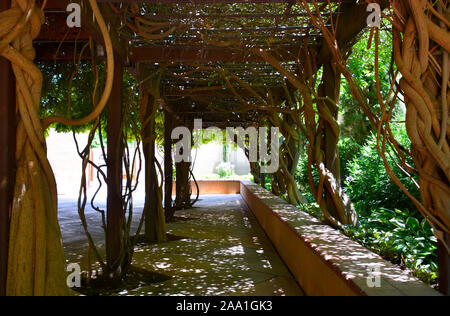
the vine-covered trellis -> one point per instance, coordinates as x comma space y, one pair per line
278, 63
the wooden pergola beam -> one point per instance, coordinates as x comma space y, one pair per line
90, 26
351, 22
212, 1
202, 55
206, 92
55, 29
50, 51
177, 16
64, 52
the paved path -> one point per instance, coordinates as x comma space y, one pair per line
224, 252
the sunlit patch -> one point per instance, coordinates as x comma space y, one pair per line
163, 265
222, 254
236, 250
266, 264
4, 182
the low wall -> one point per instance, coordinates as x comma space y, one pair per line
323, 260
213, 187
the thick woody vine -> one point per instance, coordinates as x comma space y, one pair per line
420, 49
305, 110
36, 268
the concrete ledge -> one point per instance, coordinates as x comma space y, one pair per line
323, 260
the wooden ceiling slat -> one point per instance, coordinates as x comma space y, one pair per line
201, 55
183, 48
210, 1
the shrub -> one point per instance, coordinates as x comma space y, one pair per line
225, 170
402, 237
348, 150
370, 187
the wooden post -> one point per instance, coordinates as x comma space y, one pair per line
168, 165
7, 156
151, 185
183, 186
444, 266
114, 206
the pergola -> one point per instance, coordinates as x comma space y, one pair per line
189, 45
210, 53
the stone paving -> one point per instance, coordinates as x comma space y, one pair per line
224, 251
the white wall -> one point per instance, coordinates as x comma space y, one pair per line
209, 156
66, 163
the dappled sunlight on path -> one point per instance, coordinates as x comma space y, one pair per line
224, 251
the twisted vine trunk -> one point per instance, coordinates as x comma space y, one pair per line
322, 137
7, 156
283, 181
421, 52
155, 223
426, 91
36, 257
255, 170
336, 201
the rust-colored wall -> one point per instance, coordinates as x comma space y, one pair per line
212, 187
323, 260
315, 275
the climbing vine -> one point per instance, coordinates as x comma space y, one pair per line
36, 268
420, 51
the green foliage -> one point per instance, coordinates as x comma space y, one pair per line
225, 170
301, 175
368, 184
96, 141
348, 149
55, 92
354, 123
58, 89
403, 237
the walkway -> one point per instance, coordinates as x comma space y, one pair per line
224, 252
